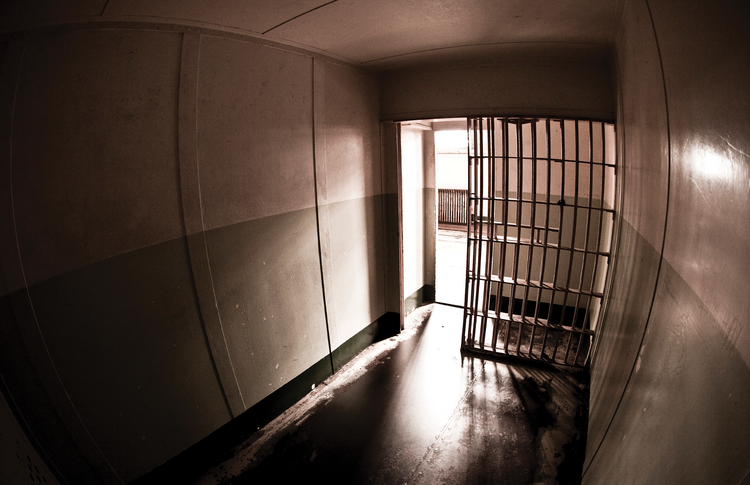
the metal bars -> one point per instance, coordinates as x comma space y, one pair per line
452, 206
539, 223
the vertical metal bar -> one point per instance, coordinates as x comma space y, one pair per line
476, 224
546, 236
455, 207
601, 211
450, 211
519, 208
572, 242
490, 185
560, 233
533, 228
475, 213
470, 244
480, 198
493, 237
501, 240
506, 172
585, 244
588, 226
468, 235
454, 212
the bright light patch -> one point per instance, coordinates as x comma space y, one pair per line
450, 140
709, 164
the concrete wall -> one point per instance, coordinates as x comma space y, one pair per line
671, 377
188, 222
567, 80
418, 216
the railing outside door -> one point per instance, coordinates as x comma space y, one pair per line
452, 204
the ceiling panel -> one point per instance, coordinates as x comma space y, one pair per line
378, 34
19, 13
256, 16
506, 54
372, 31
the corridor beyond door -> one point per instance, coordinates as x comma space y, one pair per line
451, 162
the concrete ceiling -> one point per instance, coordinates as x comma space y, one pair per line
379, 34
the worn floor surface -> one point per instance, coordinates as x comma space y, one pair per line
413, 410
450, 264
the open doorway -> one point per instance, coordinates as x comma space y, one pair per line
519, 224
451, 181
433, 171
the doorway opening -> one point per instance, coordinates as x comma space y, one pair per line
516, 231
451, 182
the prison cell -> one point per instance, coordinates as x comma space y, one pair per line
540, 218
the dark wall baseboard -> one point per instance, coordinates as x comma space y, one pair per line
422, 296
215, 447
384, 327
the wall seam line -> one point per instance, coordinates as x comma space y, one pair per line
208, 259
181, 156
317, 217
663, 241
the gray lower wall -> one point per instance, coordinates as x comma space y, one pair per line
188, 222
266, 278
19, 460
358, 277
683, 415
671, 375
126, 339
618, 338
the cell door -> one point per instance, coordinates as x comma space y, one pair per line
540, 218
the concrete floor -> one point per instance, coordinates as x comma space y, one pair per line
450, 264
413, 410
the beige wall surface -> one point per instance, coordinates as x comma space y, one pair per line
351, 204
167, 208
94, 155
165, 188
531, 80
643, 181
416, 156
671, 379
254, 126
